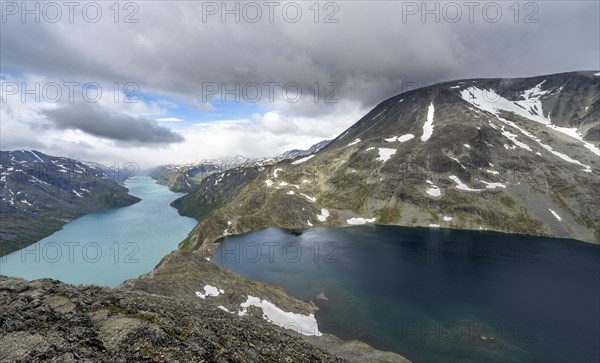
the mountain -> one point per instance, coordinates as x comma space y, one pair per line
292, 154
184, 178
511, 155
40, 193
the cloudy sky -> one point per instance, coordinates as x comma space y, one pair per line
156, 82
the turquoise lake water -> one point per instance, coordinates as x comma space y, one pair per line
107, 247
436, 295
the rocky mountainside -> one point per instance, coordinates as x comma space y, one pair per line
511, 155
184, 178
186, 310
41, 193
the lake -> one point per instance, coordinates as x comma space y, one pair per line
436, 295
107, 247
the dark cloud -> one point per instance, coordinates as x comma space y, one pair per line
371, 53
93, 120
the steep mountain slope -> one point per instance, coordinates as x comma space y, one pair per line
184, 178
41, 193
512, 155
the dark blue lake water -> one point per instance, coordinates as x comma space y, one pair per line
437, 295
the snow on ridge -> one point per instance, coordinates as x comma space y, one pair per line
385, 154
428, 126
555, 214
475, 96
360, 220
324, 215
36, 155
209, 291
303, 324
300, 161
597, 74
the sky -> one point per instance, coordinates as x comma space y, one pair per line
156, 82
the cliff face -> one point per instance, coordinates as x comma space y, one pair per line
160, 317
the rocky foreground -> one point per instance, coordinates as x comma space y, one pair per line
160, 318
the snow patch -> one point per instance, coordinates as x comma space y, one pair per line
209, 291
434, 226
323, 216
312, 199
428, 126
356, 141
460, 185
304, 324
300, 161
276, 171
555, 214
434, 191
360, 220
458, 161
224, 309
476, 97
291, 192
269, 182
385, 154
405, 137
447, 219
492, 185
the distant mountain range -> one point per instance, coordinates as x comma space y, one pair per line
185, 177
40, 193
511, 155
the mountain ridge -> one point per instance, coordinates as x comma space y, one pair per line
40, 193
508, 155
